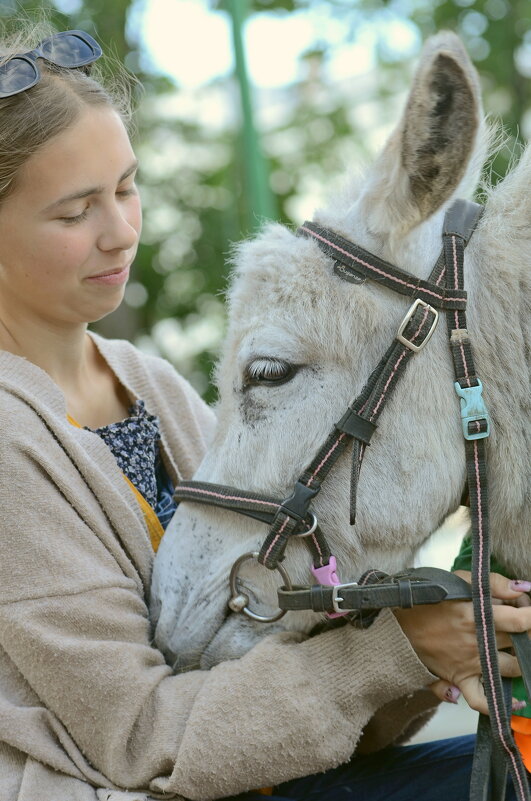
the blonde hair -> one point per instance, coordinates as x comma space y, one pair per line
31, 118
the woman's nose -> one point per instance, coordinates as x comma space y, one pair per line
120, 230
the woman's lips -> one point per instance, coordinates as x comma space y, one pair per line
112, 278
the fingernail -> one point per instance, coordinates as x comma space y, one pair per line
520, 586
452, 694
517, 705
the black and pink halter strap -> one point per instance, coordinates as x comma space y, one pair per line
442, 292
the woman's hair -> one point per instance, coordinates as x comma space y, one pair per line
31, 118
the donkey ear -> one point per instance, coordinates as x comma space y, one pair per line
440, 122
427, 156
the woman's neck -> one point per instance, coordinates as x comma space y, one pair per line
66, 355
93, 394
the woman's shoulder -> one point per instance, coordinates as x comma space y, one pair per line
16, 414
27, 429
29, 420
27, 397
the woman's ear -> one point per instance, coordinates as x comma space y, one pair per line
427, 156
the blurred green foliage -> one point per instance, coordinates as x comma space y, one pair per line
192, 176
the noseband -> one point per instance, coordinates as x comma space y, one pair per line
292, 517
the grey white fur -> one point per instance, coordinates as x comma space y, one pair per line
285, 303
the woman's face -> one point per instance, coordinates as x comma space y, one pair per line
69, 231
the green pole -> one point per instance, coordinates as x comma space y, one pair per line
262, 200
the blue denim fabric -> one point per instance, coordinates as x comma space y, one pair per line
437, 771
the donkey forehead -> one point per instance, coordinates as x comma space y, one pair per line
276, 255
285, 274
281, 269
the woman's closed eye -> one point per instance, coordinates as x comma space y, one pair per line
127, 192
77, 218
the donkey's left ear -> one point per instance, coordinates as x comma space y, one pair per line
427, 156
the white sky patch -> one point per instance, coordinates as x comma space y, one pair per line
401, 38
355, 58
273, 47
187, 41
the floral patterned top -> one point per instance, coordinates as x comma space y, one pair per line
135, 444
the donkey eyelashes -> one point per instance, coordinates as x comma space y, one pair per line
268, 371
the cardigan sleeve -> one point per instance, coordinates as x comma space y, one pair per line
74, 626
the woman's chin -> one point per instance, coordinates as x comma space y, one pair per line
94, 315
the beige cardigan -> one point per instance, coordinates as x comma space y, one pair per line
89, 711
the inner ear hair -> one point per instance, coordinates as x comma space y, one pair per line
440, 125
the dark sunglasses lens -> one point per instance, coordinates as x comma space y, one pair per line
15, 75
68, 51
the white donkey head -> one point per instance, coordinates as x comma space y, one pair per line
302, 344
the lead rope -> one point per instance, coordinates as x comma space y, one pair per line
475, 430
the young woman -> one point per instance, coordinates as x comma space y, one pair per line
93, 437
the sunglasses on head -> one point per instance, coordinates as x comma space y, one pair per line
67, 49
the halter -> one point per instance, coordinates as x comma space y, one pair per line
292, 517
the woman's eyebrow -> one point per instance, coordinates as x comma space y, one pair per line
94, 190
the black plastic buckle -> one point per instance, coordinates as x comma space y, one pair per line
297, 504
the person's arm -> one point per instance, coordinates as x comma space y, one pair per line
74, 625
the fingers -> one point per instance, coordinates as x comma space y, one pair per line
445, 691
500, 586
474, 694
511, 610
471, 687
507, 589
512, 619
509, 666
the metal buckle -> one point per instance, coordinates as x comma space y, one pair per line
310, 530
239, 602
407, 318
473, 409
336, 599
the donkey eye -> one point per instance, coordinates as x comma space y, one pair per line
268, 371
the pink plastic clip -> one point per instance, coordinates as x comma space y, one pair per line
327, 576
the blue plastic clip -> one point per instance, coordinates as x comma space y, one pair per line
472, 409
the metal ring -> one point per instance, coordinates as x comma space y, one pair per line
310, 530
236, 594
